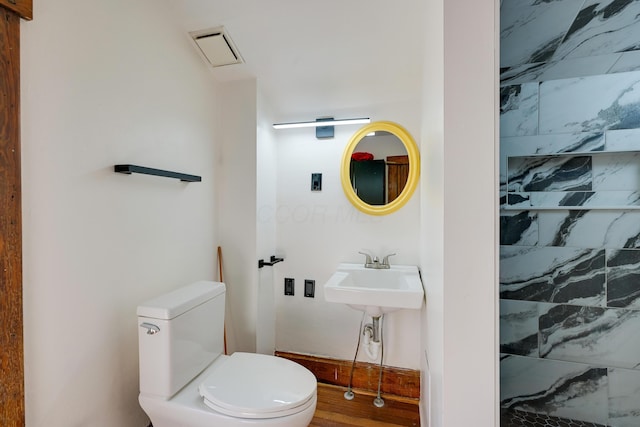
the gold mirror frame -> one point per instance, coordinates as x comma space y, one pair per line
414, 168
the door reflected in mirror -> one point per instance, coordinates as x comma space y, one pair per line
379, 168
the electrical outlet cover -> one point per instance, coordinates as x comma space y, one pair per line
289, 286
309, 288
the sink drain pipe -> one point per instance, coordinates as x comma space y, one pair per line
378, 400
371, 334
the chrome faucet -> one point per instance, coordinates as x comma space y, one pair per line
385, 260
375, 262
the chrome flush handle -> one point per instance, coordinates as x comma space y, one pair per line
150, 327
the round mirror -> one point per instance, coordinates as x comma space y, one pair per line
380, 168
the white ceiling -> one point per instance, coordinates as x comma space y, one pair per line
315, 59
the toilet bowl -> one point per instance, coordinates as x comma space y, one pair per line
186, 381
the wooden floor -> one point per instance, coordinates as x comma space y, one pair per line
333, 410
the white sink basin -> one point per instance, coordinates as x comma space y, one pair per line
376, 291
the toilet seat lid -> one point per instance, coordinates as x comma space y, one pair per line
251, 385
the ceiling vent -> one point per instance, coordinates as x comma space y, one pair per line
216, 47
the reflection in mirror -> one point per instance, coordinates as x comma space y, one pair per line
379, 168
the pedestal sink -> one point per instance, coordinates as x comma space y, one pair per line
375, 291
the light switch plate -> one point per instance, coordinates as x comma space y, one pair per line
316, 182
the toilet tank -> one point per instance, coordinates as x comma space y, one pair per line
190, 335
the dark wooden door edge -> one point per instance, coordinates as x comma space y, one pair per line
12, 409
24, 8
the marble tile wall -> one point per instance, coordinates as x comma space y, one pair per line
570, 243
555, 39
557, 388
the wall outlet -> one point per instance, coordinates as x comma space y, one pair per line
309, 288
289, 286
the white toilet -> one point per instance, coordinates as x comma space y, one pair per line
186, 381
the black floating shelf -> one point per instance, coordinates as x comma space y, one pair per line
129, 169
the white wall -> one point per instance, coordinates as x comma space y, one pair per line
106, 83
459, 218
432, 221
236, 171
266, 184
318, 230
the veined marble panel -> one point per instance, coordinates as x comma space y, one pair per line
623, 279
547, 144
624, 397
552, 274
554, 173
604, 336
622, 140
519, 327
562, 198
519, 229
560, 226
629, 61
623, 231
573, 199
519, 74
562, 389
568, 68
616, 171
517, 201
590, 229
557, 181
519, 110
552, 144
590, 104
521, 40
602, 26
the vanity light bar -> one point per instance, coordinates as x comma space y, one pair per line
322, 122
